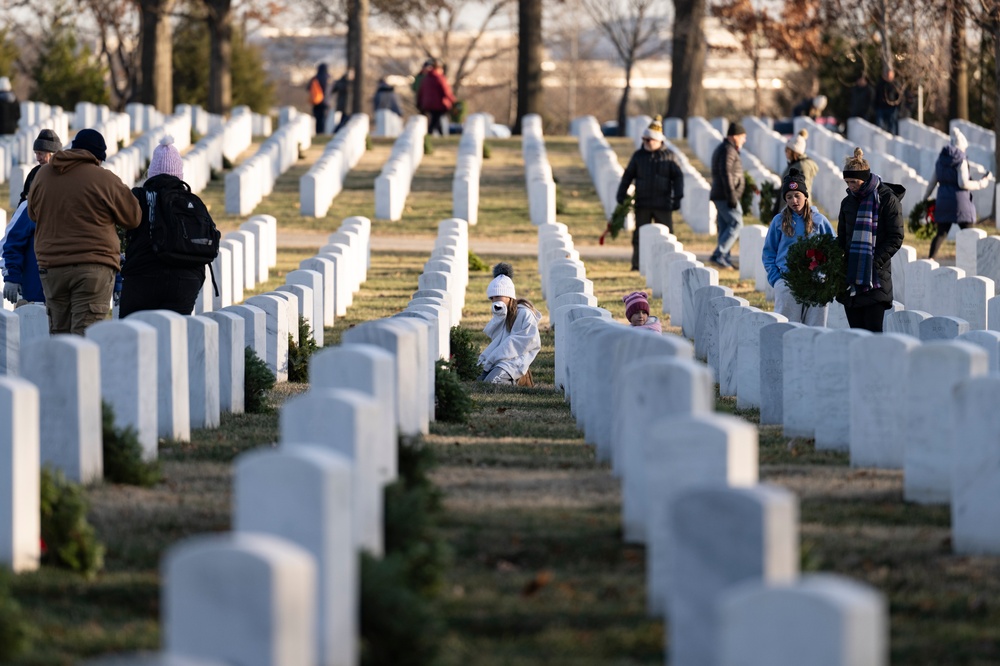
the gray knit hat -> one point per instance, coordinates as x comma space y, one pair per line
47, 142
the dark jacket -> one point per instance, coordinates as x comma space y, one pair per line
27, 182
727, 174
10, 112
385, 98
860, 104
323, 76
139, 257
659, 182
20, 265
342, 89
887, 95
953, 204
888, 239
76, 204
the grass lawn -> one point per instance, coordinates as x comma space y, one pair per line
539, 573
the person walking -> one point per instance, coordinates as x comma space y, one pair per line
659, 183
436, 97
10, 108
22, 283
728, 183
887, 100
418, 80
795, 153
954, 189
318, 86
798, 220
76, 205
147, 282
342, 89
870, 231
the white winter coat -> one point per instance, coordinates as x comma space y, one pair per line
514, 350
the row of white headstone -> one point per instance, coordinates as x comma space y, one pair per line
251, 181
602, 164
538, 179
388, 124
18, 148
722, 551
304, 512
842, 388
468, 165
319, 186
392, 185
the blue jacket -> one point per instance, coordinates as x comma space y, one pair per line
776, 243
19, 260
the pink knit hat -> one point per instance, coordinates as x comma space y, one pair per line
635, 302
166, 160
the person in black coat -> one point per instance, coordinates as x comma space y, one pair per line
148, 283
659, 183
870, 205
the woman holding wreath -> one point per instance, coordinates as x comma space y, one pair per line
870, 231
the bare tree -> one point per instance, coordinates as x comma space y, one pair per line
633, 28
529, 59
156, 44
117, 27
958, 82
750, 25
687, 96
987, 15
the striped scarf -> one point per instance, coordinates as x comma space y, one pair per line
861, 274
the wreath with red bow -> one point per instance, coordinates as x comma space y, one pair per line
816, 272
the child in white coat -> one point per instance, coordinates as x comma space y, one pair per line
513, 331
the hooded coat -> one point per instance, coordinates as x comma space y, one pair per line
954, 199
513, 350
76, 204
888, 240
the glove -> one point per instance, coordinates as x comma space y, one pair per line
11, 291
675, 204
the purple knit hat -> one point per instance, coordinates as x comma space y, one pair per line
635, 302
166, 160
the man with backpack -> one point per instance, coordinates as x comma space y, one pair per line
76, 205
317, 87
166, 255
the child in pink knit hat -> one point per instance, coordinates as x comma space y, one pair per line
166, 160
637, 312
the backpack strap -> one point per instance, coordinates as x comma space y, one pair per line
211, 272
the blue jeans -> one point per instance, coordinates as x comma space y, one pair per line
730, 221
888, 119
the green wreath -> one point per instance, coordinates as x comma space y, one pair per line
816, 272
922, 223
617, 221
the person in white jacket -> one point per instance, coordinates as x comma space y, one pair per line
513, 331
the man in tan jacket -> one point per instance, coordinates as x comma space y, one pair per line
76, 204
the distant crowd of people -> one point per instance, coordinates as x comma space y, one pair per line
432, 96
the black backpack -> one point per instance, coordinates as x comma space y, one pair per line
181, 229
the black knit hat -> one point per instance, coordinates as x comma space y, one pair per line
47, 142
92, 140
735, 127
795, 181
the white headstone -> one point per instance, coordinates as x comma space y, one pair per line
799, 393
820, 620
276, 335
20, 511
682, 453
10, 343
693, 279
724, 537
232, 360
748, 356
904, 321
975, 484
706, 325
729, 344
878, 367
343, 421
935, 369
241, 598
832, 376
203, 372
67, 371
974, 293
988, 341
311, 280
34, 323
303, 494
942, 328
772, 371
173, 387
129, 375
326, 269
709, 333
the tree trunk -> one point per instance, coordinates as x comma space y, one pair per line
220, 59
958, 84
157, 55
688, 61
623, 104
882, 25
358, 31
755, 68
529, 60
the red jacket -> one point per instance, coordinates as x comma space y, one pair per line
435, 93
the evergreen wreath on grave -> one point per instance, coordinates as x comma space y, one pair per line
816, 272
617, 221
922, 223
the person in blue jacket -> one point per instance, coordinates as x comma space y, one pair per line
20, 268
796, 220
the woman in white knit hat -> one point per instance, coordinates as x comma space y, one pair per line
513, 332
795, 153
148, 282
